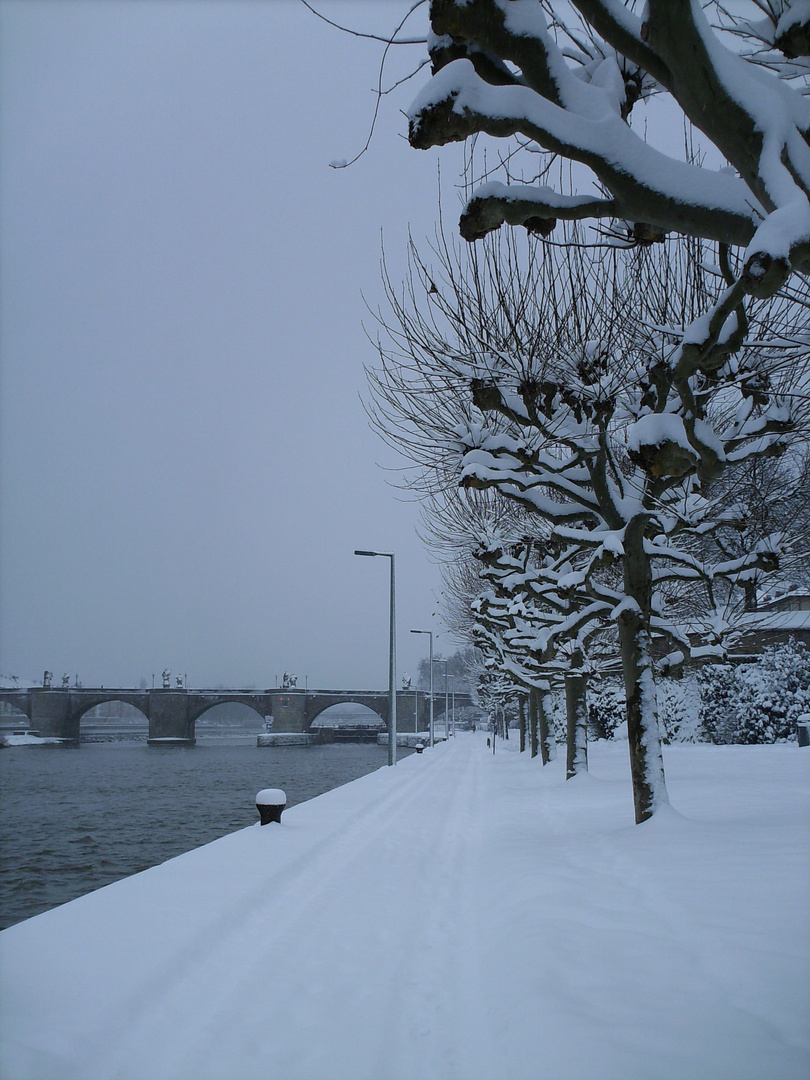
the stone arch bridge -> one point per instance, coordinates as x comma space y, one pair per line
173, 713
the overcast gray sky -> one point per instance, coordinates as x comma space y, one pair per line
186, 465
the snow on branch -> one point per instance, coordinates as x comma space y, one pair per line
646, 184
573, 100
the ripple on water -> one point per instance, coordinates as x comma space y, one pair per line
73, 820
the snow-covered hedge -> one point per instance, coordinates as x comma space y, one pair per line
678, 710
723, 703
759, 702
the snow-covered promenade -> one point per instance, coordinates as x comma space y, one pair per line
466, 915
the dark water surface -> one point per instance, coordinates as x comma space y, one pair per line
75, 818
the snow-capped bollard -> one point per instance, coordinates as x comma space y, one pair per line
270, 802
803, 730
420, 747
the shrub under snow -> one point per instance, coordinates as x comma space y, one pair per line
759, 702
605, 707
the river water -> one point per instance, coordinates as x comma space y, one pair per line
75, 818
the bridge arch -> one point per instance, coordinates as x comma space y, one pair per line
340, 714
254, 708
82, 713
19, 704
316, 705
13, 718
200, 704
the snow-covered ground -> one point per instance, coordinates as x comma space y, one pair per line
466, 915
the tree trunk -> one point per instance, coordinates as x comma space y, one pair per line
750, 594
534, 708
548, 748
522, 712
576, 709
646, 762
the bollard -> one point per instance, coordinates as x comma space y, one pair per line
419, 747
270, 802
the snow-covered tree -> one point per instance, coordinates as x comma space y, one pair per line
480, 536
509, 614
679, 709
568, 385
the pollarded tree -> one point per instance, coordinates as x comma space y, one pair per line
565, 385
627, 450
501, 593
502, 612
484, 590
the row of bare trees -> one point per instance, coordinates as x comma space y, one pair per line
586, 465
621, 401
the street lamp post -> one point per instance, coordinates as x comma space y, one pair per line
446, 702
430, 633
453, 703
392, 659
